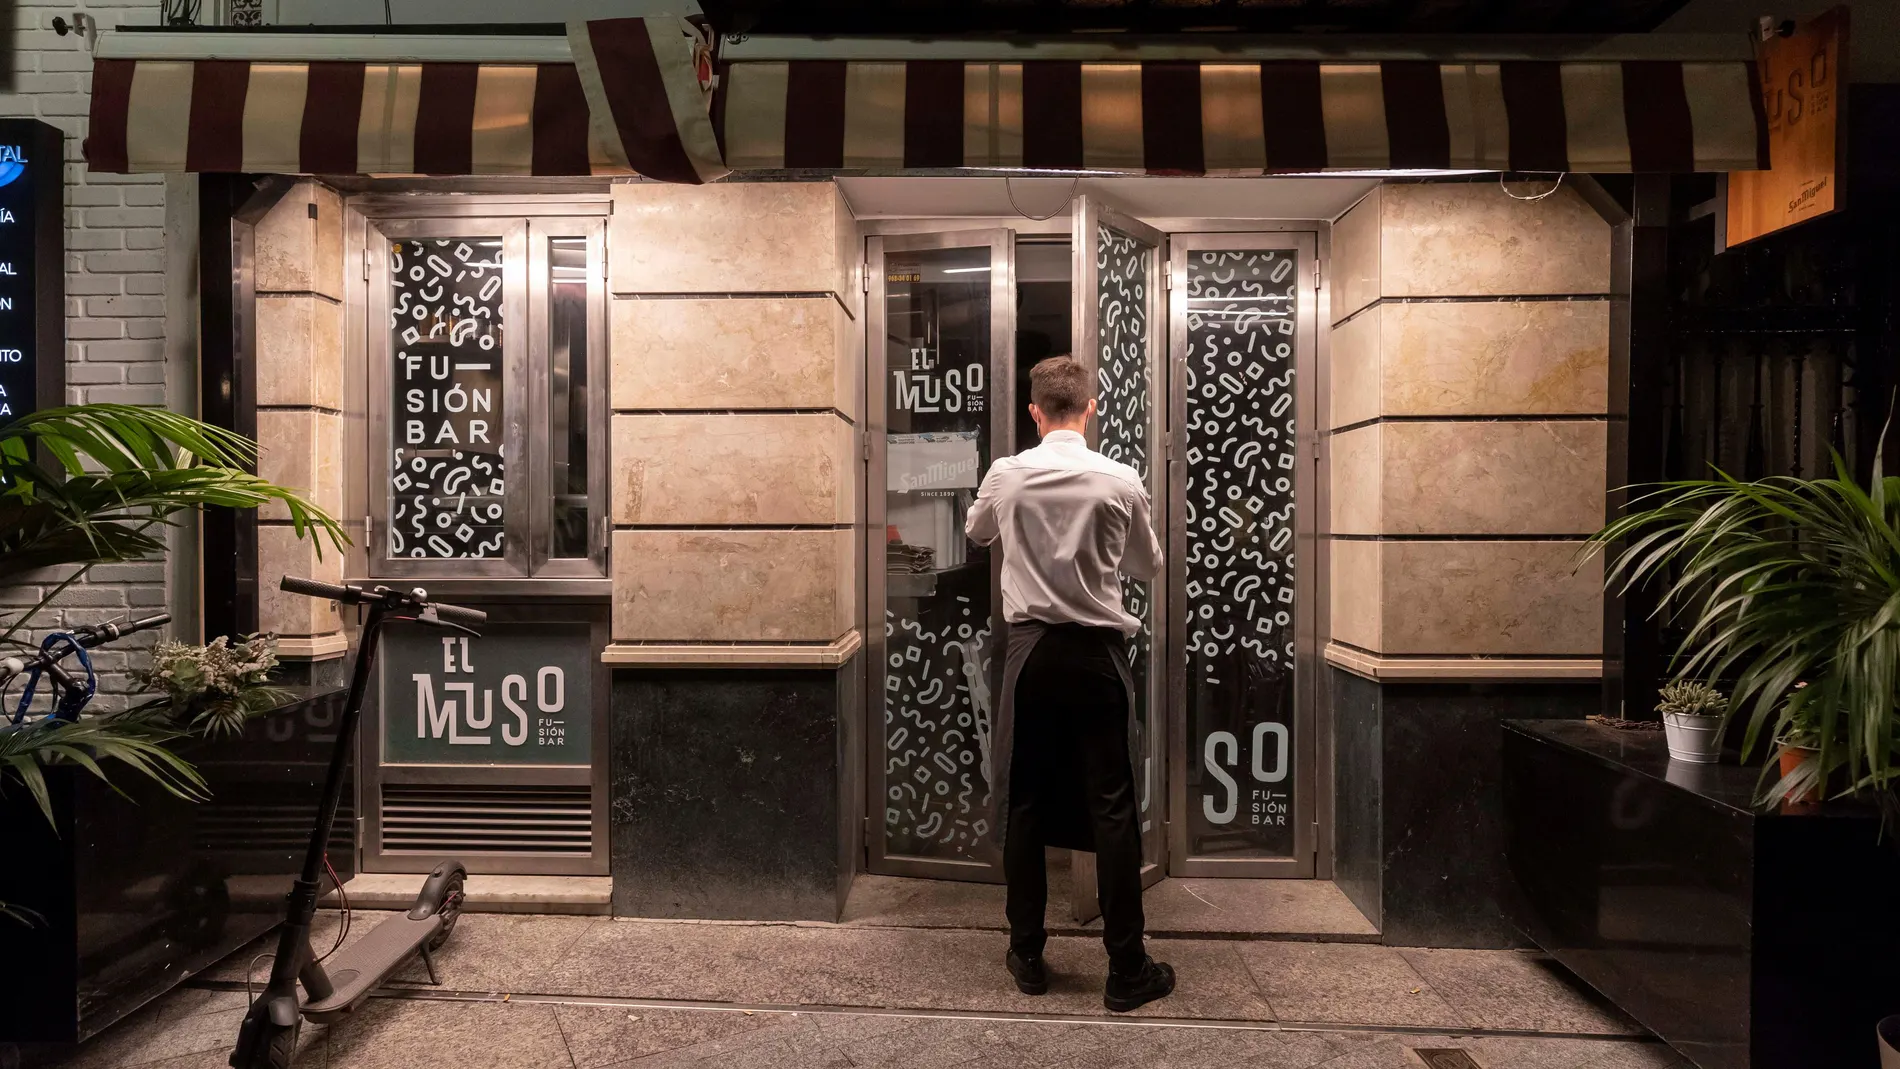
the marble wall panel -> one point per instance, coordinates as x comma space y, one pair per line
1521, 598
720, 468
1449, 239
301, 448
778, 352
296, 250
1356, 359
1355, 270
1464, 478
1491, 358
729, 237
1358, 481
279, 553
732, 586
1355, 590
299, 351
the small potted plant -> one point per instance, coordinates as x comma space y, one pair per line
1692, 719
211, 689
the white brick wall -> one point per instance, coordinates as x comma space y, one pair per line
115, 285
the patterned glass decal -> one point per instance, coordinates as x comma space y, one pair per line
939, 652
1123, 367
446, 467
1241, 315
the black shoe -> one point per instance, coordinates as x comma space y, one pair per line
1031, 975
1134, 990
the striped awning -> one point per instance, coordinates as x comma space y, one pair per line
622, 96
1195, 117
629, 102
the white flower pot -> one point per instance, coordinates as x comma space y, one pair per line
1695, 739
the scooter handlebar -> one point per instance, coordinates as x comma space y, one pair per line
311, 588
456, 614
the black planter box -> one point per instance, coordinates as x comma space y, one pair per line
137, 892
1744, 939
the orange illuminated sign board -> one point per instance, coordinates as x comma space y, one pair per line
1803, 87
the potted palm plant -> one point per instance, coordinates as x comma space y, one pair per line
1790, 588
1692, 719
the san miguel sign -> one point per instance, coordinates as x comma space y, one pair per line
1803, 89
32, 268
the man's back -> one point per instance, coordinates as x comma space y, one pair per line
1069, 520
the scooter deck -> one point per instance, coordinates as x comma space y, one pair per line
362, 966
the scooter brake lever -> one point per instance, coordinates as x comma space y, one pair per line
428, 617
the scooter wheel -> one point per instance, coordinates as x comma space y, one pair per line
450, 911
279, 1051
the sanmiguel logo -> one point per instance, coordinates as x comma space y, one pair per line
12, 163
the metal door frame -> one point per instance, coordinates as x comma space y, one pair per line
1309, 830
1002, 245
1090, 215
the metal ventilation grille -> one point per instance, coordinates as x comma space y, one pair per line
488, 820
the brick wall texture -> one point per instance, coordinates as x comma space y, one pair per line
115, 294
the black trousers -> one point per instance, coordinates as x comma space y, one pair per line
1072, 738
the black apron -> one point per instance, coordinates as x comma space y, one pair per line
1068, 826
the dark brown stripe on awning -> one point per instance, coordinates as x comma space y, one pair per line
445, 118
1534, 113
1417, 133
104, 146
814, 113
1052, 115
1294, 121
1656, 116
1171, 117
933, 113
637, 98
332, 111
560, 121
215, 137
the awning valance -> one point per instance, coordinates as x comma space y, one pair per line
626, 96
627, 101
1195, 117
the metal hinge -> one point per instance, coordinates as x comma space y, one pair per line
864, 277
867, 447
1318, 277
1167, 277
366, 265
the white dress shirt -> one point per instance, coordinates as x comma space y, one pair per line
1069, 519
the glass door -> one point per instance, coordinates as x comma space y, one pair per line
941, 327
1120, 334
1242, 340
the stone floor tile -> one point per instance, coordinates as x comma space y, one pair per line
1511, 989
1344, 982
403, 1034
605, 1035
929, 1044
1510, 1052
501, 952
1057, 1042
151, 1036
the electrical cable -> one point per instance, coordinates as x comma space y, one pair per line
1561, 175
343, 897
1066, 201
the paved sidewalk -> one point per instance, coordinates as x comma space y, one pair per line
523, 991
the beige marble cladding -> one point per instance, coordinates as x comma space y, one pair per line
1493, 358
1515, 477
1355, 592
770, 352
1355, 252
1450, 239
1358, 481
299, 351
298, 244
732, 586
1503, 598
279, 553
731, 237
1355, 363
302, 449
733, 468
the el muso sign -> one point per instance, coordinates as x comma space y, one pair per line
32, 271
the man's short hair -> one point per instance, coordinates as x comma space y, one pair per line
1060, 387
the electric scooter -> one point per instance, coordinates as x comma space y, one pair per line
268, 1037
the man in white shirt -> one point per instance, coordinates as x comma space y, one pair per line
1069, 520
